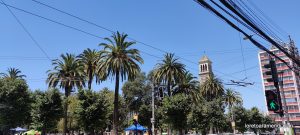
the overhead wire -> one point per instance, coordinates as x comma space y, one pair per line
94, 24
256, 19
85, 32
104, 28
269, 20
26, 30
242, 52
223, 18
235, 9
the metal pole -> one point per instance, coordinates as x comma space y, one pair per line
153, 118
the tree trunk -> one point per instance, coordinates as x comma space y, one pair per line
90, 80
210, 129
169, 88
44, 131
65, 123
181, 131
116, 106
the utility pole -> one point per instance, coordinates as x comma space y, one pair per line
153, 107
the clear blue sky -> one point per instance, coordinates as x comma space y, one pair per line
180, 26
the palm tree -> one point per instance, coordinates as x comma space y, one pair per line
119, 60
187, 84
232, 98
211, 88
90, 59
68, 72
170, 71
12, 74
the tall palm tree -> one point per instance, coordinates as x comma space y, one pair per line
232, 98
187, 84
68, 72
12, 74
119, 60
90, 59
212, 88
170, 71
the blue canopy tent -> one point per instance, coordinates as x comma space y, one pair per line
19, 129
138, 127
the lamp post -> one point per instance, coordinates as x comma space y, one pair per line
153, 107
135, 123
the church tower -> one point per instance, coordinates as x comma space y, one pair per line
205, 69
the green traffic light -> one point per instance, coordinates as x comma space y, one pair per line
273, 105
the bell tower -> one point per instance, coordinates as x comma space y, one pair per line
205, 69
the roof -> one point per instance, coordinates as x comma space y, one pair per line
204, 59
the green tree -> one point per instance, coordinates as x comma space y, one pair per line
212, 88
16, 103
72, 115
119, 60
232, 98
137, 92
188, 84
46, 110
145, 115
68, 72
170, 71
241, 117
92, 111
175, 110
12, 74
90, 59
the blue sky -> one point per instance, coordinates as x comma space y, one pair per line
180, 26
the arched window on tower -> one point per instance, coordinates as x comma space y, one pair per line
201, 69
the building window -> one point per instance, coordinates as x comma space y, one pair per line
289, 100
288, 85
290, 92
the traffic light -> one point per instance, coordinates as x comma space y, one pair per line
274, 102
272, 72
273, 96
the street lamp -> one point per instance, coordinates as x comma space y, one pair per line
153, 117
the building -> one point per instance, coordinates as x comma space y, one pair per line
291, 84
205, 69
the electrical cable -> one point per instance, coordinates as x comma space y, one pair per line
74, 28
238, 12
27, 32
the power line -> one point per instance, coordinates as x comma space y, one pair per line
104, 28
235, 9
90, 34
28, 33
53, 21
242, 52
274, 25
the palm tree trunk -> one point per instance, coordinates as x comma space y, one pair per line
90, 80
232, 118
211, 128
65, 115
116, 105
181, 131
169, 88
65, 123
